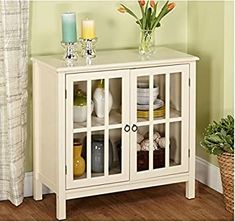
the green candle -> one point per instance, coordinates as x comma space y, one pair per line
69, 29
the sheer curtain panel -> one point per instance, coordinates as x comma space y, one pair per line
14, 19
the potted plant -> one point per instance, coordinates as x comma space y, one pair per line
218, 139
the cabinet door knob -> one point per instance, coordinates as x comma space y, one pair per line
127, 128
134, 128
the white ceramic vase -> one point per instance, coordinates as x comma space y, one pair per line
99, 100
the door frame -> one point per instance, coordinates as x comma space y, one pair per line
167, 70
100, 180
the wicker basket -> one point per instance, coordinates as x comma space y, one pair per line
226, 163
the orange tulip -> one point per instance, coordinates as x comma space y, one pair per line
121, 9
152, 4
142, 3
170, 6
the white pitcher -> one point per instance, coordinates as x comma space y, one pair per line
99, 100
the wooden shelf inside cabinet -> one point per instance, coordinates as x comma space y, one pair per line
115, 169
115, 118
175, 115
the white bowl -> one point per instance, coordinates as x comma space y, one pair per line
80, 113
144, 100
146, 92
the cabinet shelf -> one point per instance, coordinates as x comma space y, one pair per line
115, 119
115, 169
175, 115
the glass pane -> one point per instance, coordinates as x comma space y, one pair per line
115, 151
175, 143
159, 97
143, 98
175, 95
80, 104
159, 144
98, 102
97, 153
143, 148
115, 101
79, 159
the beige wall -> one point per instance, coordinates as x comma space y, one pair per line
204, 28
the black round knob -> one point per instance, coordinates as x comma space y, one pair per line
134, 128
127, 128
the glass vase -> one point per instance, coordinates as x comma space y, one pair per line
146, 42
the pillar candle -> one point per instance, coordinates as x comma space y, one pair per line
88, 29
69, 30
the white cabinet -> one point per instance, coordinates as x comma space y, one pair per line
147, 138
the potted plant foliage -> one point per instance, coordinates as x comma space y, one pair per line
218, 139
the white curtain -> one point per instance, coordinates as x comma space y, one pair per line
14, 19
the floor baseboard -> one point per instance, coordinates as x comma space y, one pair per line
28, 185
206, 173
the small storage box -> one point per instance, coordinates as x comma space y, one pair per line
143, 159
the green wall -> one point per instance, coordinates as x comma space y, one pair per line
188, 27
210, 36
114, 30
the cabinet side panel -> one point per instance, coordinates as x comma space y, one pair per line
47, 126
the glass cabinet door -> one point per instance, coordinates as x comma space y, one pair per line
159, 104
97, 111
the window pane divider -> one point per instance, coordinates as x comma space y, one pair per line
151, 123
167, 115
106, 132
88, 147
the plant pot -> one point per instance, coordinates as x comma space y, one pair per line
226, 164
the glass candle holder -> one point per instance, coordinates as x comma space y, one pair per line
70, 54
88, 47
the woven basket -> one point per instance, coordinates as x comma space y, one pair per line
226, 164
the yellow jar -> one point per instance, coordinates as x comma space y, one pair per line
78, 161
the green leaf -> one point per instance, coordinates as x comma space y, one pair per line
145, 15
162, 13
214, 138
218, 137
142, 12
132, 14
228, 148
155, 10
148, 19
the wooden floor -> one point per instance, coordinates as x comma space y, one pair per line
159, 203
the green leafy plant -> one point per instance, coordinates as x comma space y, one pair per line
150, 19
219, 136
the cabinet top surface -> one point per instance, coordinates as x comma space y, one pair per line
117, 59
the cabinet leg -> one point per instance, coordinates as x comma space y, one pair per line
37, 190
60, 207
190, 189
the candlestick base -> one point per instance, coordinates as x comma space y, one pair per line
70, 54
88, 47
